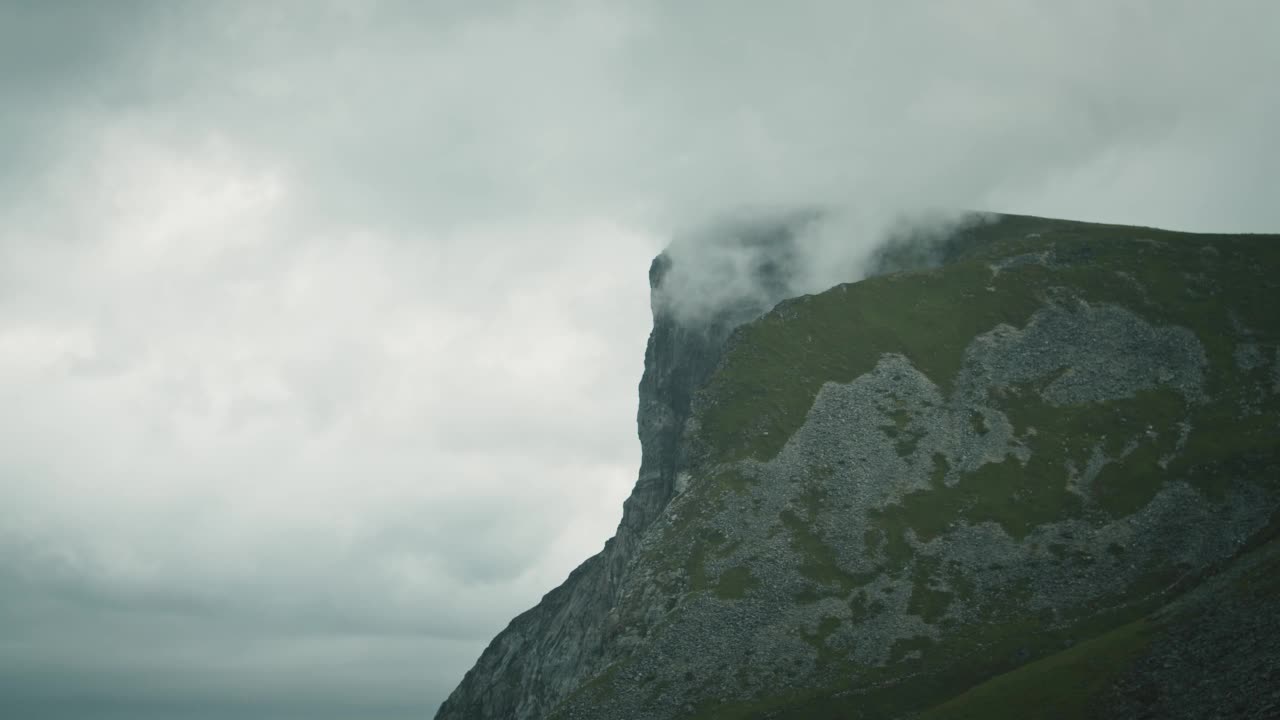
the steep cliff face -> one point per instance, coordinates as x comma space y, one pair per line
550, 650
886, 499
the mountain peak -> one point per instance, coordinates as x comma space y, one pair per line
1016, 436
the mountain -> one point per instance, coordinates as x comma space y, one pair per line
1029, 468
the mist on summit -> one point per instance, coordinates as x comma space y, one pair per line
757, 258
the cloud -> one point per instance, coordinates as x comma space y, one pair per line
320, 323
227, 419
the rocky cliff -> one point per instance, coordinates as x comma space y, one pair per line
549, 651
1027, 458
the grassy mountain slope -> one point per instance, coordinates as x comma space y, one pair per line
960, 484
1214, 652
1222, 287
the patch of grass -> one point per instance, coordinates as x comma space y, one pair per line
1017, 497
861, 608
1125, 487
937, 479
818, 639
906, 439
705, 540
1021, 497
979, 422
1263, 580
927, 601
601, 688
735, 481
909, 646
888, 533
809, 595
1072, 434
724, 550
923, 673
818, 561
767, 381
1226, 446
1058, 687
735, 582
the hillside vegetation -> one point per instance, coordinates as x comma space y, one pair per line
1029, 468
962, 490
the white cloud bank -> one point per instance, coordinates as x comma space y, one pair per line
321, 323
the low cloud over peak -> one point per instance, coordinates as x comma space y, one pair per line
320, 322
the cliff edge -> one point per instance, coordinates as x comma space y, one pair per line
1020, 459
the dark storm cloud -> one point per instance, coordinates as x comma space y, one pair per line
320, 323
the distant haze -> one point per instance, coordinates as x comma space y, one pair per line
321, 321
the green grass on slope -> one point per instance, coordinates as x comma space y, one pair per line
1059, 687
1075, 684
769, 378
1220, 287
1070, 684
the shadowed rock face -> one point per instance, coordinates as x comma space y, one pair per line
548, 651
887, 498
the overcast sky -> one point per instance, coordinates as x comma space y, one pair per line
321, 322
